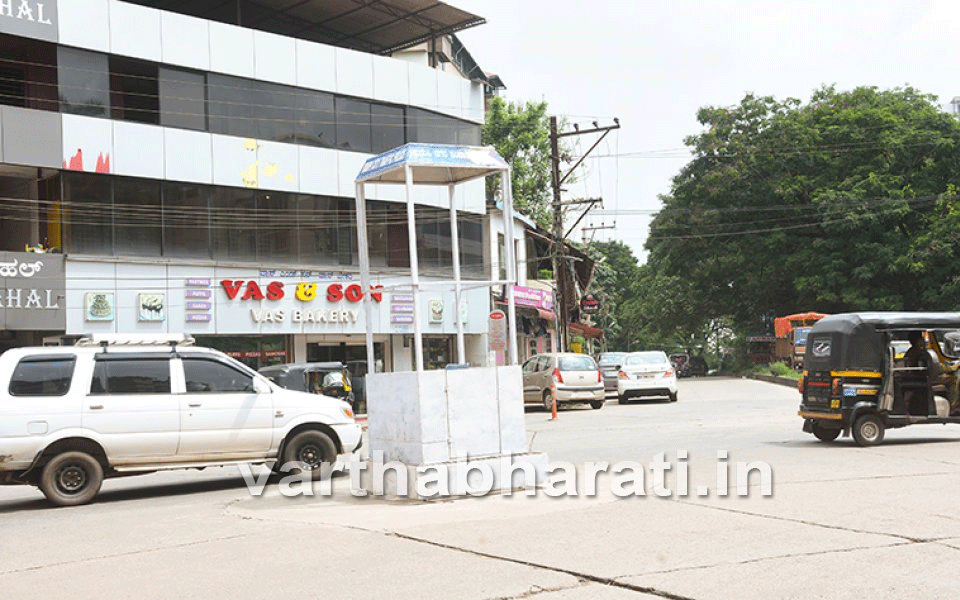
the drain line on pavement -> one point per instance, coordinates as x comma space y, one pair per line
577, 574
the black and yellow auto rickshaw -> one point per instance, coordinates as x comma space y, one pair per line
856, 380
327, 378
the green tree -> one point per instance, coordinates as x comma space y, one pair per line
521, 134
615, 273
843, 203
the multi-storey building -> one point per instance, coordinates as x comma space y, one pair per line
189, 167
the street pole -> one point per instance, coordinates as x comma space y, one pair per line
558, 247
560, 266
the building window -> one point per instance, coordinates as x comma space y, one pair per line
427, 127
186, 220
428, 241
84, 79
346, 233
316, 120
234, 224
229, 107
276, 227
28, 73
468, 134
317, 229
387, 126
273, 110
501, 262
377, 227
44, 76
137, 217
353, 125
471, 245
87, 214
398, 237
134, 90
183, 99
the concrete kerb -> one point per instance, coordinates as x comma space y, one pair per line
785, 381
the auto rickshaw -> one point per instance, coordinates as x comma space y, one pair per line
327, 378
681, 363
856, 381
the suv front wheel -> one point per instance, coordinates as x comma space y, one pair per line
312, 451
71, 479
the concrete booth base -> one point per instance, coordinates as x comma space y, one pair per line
454, 432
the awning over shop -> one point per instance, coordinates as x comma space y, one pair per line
588, 332
529, 310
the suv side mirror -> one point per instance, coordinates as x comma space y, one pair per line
260, 386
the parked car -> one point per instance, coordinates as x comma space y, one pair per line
574, 377
609, 363
646, 374
327, 378
71, 416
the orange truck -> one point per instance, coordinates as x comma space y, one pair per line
791, 337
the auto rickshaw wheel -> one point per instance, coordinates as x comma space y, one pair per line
825, 434
868, 430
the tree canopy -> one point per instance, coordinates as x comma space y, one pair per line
845, 202
521, 134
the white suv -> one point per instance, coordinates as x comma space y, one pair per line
72, 415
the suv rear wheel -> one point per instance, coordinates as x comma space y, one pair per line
71, 479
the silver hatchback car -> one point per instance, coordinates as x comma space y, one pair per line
610, 367
574, 377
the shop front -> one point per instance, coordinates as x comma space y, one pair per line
536, 321
32, 306
272, 316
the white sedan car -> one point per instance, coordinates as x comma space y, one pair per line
646, 374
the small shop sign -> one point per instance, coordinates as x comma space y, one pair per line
590, 304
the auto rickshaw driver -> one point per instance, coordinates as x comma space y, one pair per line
916, 356
949, 376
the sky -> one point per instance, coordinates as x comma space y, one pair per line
652, 65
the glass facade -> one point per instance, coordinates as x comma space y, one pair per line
183, 98
101, 85
84, 82
127, 216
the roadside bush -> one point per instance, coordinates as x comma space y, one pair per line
780, 369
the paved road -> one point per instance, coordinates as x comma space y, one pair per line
841, 521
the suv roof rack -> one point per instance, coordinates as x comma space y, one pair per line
135, 339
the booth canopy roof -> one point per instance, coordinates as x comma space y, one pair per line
437, 164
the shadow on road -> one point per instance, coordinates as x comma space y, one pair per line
813, 442
146, 491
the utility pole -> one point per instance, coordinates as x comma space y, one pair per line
560, 266
595, 228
